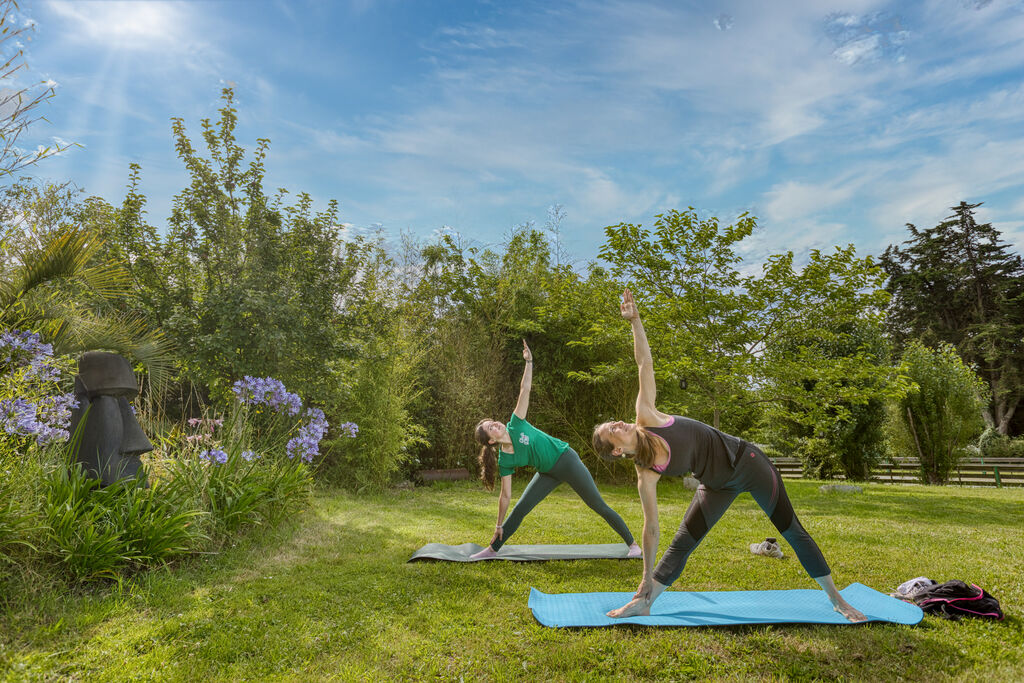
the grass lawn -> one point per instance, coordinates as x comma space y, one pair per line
330, 597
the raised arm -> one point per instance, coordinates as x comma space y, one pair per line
646, 412
523, 404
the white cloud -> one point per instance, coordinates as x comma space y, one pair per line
858, 50
922, 190
866, 38
1004, 105
794, 200
477, 37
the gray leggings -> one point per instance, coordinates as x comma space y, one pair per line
570, 469
754, 473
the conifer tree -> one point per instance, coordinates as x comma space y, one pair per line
959, 283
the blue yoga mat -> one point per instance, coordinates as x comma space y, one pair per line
681, 608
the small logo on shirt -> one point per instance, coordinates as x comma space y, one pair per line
524, 439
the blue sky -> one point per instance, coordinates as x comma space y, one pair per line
832, 122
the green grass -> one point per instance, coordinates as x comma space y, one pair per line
330, 597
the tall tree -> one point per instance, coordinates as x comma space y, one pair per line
723, 331
959, 283
243, 283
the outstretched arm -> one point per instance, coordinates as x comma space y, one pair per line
647, 486
649, 590
503, 501
646, 412
499, 532
838, 603
523, 404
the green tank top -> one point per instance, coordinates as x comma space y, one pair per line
530, 447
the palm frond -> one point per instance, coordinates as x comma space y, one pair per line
64, 255
127, 335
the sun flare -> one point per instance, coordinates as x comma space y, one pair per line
122, 23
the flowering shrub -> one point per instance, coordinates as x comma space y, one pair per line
249, 467
31, 403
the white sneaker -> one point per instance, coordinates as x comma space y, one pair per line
768, 547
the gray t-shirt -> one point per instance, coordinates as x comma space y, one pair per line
699, 448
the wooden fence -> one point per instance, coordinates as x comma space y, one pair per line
971, 472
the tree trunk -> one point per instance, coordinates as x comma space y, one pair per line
929, 474
1005, 415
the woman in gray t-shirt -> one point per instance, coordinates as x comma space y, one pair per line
660, 444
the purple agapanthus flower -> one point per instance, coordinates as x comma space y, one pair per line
349, 428
249, 456
47, 419
32, 412
269, 392
214, 455
307, 443
19, 349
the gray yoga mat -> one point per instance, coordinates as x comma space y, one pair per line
523, 553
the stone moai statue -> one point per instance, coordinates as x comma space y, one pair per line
110, 439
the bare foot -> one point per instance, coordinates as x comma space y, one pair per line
850, 612
484, 554
637, 607
635, 551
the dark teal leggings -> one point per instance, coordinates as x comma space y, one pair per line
755, 474
571, 470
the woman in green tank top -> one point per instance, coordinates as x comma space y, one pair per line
519, 444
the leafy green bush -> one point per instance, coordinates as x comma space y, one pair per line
384, 388
239, 489
96, 532
992, 444
836, 380
941, 414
